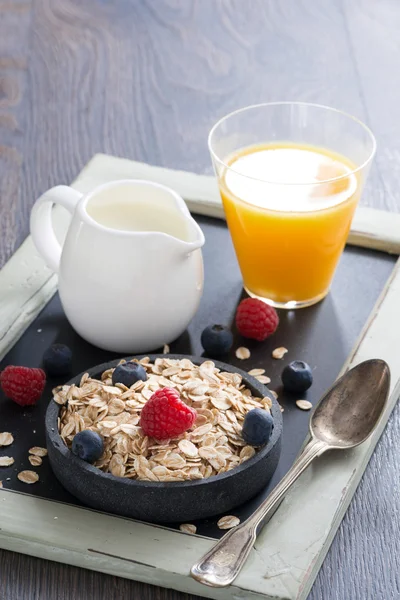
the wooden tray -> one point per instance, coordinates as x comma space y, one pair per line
291, 548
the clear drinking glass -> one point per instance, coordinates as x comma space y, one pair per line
290, 176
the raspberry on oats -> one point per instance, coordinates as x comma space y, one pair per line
165, 415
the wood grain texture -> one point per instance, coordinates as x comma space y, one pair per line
145, 79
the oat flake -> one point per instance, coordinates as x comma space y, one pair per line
188, 528
38, 451
228, 522
6, 438
303, 404
35, 461
279, 353
188, 448
256, 372
6, 461
28, 476
242, 353
263, 379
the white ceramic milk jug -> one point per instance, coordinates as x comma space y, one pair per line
130, 270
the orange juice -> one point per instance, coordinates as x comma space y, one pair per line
289, 209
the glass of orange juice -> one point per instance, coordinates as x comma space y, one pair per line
290, 176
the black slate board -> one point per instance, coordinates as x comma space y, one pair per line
322, 335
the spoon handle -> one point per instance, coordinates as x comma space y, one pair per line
222, 564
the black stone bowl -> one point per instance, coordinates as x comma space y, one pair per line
165, 501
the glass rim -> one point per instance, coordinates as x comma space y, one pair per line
294, 103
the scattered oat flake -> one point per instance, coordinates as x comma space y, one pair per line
6, 461
275, 395
263, 379
6, 438
242, 353
303, 404
279, 353
1, 484
228, 522
281, 407
188, 528
166, 349
35, 461
28, 476
38, 451
256, 372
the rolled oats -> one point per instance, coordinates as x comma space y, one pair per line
279, 353
256, 372
166, 349
6, 438
38, 451
28, 476
303, 404
246, 453
228, 522
6, 461
214, 445
242, 353
263, 379
35, 461
188, 448
188, 528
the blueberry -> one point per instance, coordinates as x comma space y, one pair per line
297, 376
57, 360
257, 427
129, 373
216, 340
88, 445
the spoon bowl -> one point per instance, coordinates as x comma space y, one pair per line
348, 412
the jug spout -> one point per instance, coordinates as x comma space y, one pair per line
197, 237
188, 234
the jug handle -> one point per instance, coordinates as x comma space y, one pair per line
41, 226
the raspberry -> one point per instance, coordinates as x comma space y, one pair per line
165, 415
255, 319
23, 385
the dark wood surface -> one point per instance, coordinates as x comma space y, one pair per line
146, 80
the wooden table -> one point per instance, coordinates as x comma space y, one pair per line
146, 79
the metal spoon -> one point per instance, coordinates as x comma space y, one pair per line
344, 418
